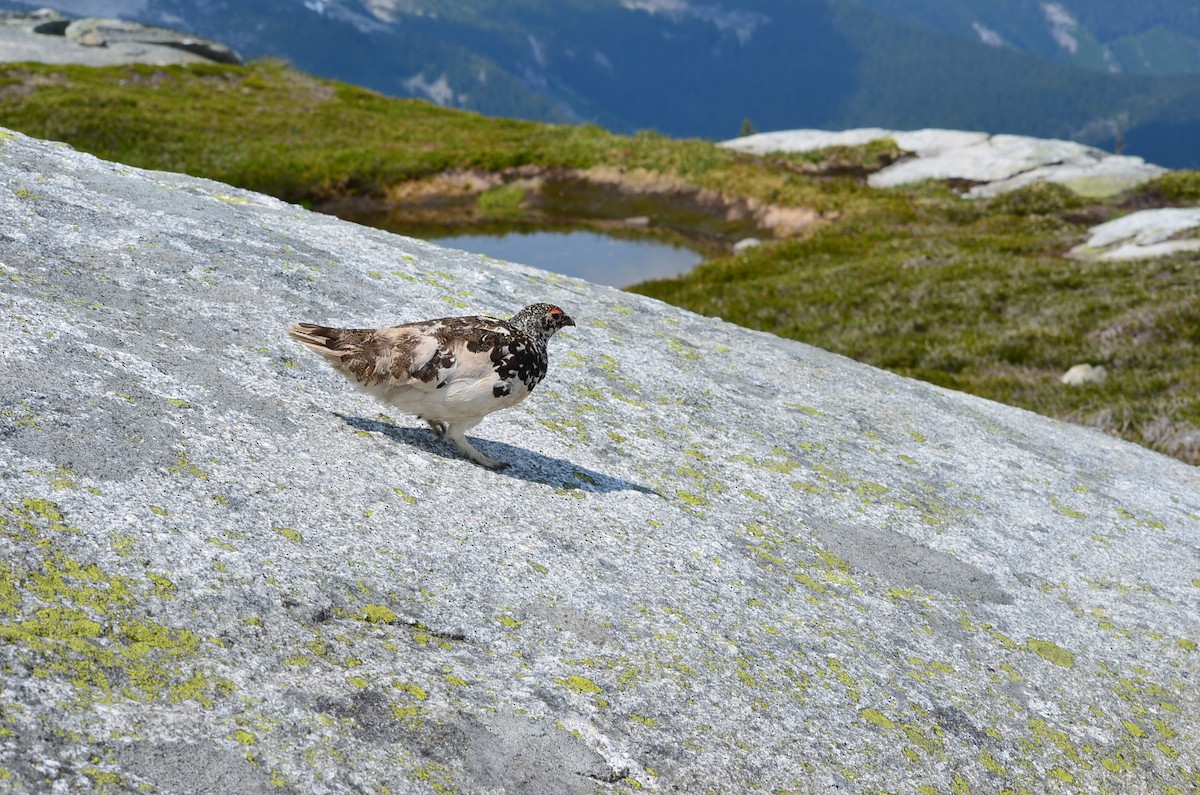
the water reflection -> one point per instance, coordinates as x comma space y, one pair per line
596, 257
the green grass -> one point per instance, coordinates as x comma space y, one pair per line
269, 128
503, 200
978, 297
971, 295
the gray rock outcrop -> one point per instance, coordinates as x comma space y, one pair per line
999, 163
1160, 232
47, 36
721, 561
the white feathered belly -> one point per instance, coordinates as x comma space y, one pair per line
457, 402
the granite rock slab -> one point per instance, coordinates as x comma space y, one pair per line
720, 562
47, 36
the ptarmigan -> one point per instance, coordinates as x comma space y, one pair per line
451, 372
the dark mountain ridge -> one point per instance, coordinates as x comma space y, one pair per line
701, 70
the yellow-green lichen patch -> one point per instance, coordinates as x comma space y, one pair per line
580, 684
379, 614
683, 351
225, 545
877, 718
1134, 729
290, 534
1059, 739
29, 517
22, 416
1066, 511
568, 427
60, 478
932, 746
436, 777
457, 681
183, 466
925, 670
104, 781
402, 494
693, 499
779, 460
1051, 651
163, 587
990, 762
411, 690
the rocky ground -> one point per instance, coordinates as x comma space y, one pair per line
47, 36
721, 561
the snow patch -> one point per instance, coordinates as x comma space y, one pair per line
539, 51
988, 36
439, 91
383, 10
1062, 26
741, 24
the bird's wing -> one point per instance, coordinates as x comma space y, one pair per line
424, 356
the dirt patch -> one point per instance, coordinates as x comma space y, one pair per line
446, 185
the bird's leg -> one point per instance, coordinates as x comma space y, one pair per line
438, 427
458, 436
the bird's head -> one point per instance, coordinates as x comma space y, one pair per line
541, 320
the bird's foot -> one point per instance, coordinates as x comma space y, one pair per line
438, 427
464, 447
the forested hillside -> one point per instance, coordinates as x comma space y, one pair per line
692, 69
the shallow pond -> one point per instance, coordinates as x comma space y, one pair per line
593, 256
569, 226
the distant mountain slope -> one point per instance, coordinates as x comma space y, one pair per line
1156, 37
692, 69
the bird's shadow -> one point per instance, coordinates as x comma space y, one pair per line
523, 464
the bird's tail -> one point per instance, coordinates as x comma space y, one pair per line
335, 344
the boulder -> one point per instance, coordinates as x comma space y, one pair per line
1143, 234
721, 561
118, 31
1080, 374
